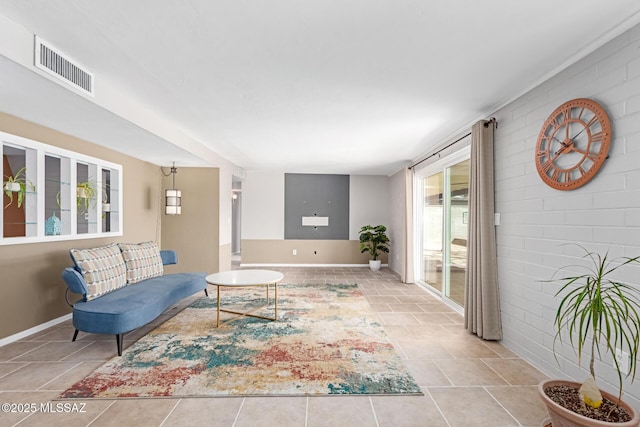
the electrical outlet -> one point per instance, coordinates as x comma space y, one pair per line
623, 360
295, 252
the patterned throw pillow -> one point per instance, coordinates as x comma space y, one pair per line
143, 261
103, 269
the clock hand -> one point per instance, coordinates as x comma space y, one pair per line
586, 153
576, 135
563, 146
556, 155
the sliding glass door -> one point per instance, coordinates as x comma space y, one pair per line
443, 205
457, 229
433, 228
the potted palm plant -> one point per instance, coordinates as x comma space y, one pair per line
17, 184
599, 315
374, 240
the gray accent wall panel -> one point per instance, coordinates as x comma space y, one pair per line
316, 195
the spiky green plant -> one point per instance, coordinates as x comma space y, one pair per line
600, 311
25, 185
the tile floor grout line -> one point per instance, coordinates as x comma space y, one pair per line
23, 420
101, 413
72, 353
497, 373
170, 412
239, 410
501, 405
435, 362
11, 372
427, 392
29, 351
373, 410
57, 376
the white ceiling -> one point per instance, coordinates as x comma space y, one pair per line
325, 86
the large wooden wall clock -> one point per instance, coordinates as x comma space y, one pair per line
573, 144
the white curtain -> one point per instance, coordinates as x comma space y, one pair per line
482, 304
406, 273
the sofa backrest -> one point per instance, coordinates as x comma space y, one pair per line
103, 269
107, 268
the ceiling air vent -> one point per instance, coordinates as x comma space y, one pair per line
62, 67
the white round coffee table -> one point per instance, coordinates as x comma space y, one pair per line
240, 278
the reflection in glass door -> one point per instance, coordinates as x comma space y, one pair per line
432, 230
457, 229
445, 210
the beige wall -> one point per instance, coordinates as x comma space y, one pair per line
224, 258
396, 205
31, 288
195, 234
326, 252
263, 239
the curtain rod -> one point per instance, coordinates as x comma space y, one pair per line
439, 151
491, 121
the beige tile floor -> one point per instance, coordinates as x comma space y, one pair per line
466, 381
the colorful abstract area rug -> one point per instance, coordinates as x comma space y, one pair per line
326, 341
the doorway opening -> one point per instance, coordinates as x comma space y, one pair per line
236, 223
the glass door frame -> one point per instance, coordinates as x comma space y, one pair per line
439, 166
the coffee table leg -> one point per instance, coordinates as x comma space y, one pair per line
275, 301
218, 316
267, 285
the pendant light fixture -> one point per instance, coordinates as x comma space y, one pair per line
173, 197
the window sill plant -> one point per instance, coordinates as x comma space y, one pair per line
599, 315
374, 240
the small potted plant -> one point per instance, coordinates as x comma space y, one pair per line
600, 315
374, 240
17, 184
86, 191
106, 204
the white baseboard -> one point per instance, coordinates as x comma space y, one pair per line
35, 329
308, 265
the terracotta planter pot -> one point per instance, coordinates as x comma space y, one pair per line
561, 417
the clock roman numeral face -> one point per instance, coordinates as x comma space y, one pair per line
573, 143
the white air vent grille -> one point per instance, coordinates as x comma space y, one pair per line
57, 64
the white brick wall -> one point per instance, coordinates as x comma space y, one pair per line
537, 220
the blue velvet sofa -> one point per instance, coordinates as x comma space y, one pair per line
121, 308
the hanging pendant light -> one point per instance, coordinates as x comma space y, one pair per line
173, 197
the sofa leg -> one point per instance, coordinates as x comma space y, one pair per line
206, 292
119, 338
75, 335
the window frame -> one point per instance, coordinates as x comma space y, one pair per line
67, 205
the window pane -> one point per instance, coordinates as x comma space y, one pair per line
457, 220
19, 192
432, 223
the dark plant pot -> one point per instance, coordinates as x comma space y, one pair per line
561, 417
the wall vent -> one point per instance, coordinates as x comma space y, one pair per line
62, 67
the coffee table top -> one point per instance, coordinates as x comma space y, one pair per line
244, 277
